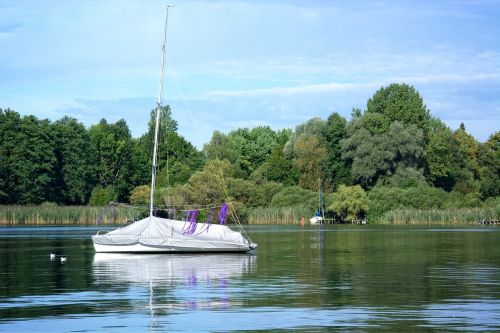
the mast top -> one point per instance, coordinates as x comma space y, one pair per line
158, 112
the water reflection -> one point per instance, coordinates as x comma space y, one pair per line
175, 281
170, 269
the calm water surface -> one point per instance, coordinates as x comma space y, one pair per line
312, 279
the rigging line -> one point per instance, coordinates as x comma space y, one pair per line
232, 211
164, 208
192, 119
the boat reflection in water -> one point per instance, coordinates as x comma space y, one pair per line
174, 281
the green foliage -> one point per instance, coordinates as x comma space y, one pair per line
439, 216
209, 186
295, 196
374, 156
178, 159
409, 161
27, 158
310, 155
277, 168
464, 150
384, 199
75, 162
112, 144
439, 159
220, 148
489, 162
396, 102
350, 202
51, 214
335, 170
140, 195
404, 177
101, 196
246, 149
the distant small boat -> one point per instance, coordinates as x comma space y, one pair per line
317, 220
319, 216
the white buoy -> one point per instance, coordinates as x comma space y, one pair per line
63, 259
52, 256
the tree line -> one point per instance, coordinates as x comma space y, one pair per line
393, 154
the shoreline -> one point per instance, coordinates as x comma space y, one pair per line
51, 215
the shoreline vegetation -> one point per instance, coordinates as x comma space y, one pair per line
391, 163
49, 215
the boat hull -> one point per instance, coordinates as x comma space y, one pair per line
143, 248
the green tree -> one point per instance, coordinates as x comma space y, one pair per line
28, 158
438, 156
220, 148
464, 150
489, 163
101, 196
209, 185
277, 168
140, 195
310, 155
335, 169
75, 166
350, 202
112, 144
177, 157
396, 102
374, 156
295, 196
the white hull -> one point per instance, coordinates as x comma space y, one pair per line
316, 220
142, 248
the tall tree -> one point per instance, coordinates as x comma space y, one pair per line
335, 169
75, 164
396, 102
28, 158
438, 155
278, 168
310, 155
464, 150
177, 157
113, 146
489, 161
375, 156
220, 148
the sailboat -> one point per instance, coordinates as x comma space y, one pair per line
161, 235
319, 216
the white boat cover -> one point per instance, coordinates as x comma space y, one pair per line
160, 232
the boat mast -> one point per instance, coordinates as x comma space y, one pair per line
157, 123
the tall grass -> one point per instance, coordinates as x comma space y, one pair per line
58, 215
439, 216
282, 215
74, 215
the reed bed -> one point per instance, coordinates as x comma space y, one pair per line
451, 216
66, 215
284, 215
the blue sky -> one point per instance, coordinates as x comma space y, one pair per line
247, 63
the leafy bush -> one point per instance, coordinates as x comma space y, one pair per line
293, 196
349, 202
140, 195
101, 196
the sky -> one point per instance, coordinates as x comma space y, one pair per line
233, 64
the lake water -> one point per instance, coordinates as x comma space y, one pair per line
320, 279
